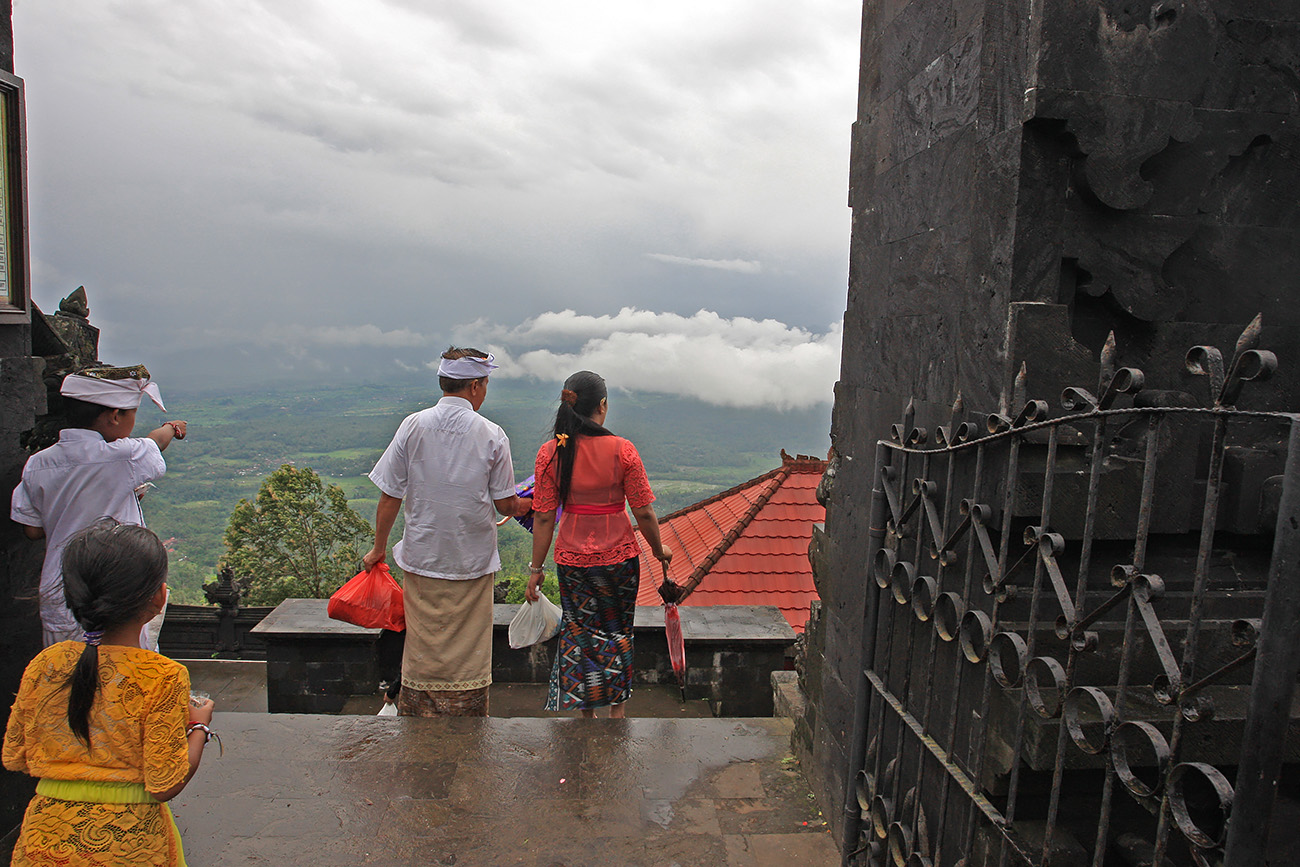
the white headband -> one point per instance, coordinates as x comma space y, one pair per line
466, 368
112, 393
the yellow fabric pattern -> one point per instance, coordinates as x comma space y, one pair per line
137, 731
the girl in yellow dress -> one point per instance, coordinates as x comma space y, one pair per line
107, 727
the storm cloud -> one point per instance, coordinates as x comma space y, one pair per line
228, 175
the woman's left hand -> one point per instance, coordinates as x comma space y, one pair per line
534, 582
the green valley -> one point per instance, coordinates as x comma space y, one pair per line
691, 450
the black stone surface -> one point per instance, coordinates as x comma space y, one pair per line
1022, 185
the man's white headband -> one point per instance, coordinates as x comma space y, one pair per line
113, 387
466, 368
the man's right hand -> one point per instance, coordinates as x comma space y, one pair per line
373, 556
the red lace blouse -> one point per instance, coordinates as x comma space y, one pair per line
606, 472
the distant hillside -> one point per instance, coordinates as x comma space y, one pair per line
691, 450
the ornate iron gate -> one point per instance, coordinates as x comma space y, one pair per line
1066, 659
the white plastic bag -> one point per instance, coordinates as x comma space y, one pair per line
536, 622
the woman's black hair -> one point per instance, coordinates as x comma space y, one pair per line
111, 571
580, 398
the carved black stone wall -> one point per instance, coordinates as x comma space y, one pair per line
1027, 176
22, 399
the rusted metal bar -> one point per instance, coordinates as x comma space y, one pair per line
993, 567
1154, 423
926, 492
1219, 672
1159, 642
1269, 715
1097, 613
980, 736
1147, 499
1080, 595
939, 529
1209, 519
858, 742
959, 668
891, 496
1017, 749
1024, 558
902, 592
954, 537
1090, 416
1048, 547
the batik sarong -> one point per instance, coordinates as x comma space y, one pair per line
593, 664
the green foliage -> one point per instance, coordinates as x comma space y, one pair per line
297, 538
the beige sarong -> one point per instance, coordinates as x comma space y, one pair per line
448, 633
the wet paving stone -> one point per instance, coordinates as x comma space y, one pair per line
326, 790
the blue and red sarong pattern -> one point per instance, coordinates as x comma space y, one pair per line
593, 664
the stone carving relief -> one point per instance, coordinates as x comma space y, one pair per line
1181, 117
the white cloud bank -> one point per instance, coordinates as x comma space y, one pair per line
729, 362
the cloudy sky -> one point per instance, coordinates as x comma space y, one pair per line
331, 189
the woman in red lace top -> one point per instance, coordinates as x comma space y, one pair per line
591, 475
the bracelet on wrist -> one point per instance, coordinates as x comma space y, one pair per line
536, 570
208, 734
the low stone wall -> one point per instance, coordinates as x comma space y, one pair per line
314, 664
209, 632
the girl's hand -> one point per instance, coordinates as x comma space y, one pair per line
202, 712
534, 582
665, 556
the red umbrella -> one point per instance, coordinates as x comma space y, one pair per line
671, 594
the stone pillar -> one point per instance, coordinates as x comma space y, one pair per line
1027, 176
22, 399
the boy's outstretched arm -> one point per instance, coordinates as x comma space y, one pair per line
166, 432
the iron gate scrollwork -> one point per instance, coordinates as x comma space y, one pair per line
1060, 664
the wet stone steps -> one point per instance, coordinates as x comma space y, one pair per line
350, 790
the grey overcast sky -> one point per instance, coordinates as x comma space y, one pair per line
283, 189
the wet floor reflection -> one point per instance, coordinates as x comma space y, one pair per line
375, 790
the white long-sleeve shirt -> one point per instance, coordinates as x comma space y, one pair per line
67, 487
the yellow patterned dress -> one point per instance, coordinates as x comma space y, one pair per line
91, 805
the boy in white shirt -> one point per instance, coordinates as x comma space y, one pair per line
96, 469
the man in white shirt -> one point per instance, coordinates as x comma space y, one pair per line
95, 470
450, 470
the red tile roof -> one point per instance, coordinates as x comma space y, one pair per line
745, 546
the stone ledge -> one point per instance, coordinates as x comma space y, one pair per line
314, 664
731, 624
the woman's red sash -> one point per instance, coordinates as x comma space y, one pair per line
596, 509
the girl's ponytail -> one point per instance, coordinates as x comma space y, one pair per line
83, 685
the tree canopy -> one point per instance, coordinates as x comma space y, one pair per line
297, 538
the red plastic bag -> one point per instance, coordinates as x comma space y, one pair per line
372, 599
